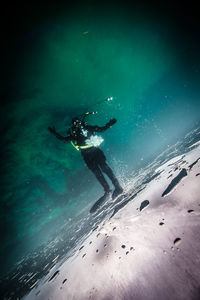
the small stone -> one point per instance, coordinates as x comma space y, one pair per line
37, 293
84, 255
127, 252
161, 223
95, 228
54, 275
177, 240
97, 251
64, 280
123, 246
144, 204
190, 210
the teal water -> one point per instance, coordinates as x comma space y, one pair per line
65, 62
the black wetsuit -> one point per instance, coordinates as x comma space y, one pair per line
93, 156
96, 162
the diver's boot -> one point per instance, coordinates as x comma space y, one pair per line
117, 191
107, 192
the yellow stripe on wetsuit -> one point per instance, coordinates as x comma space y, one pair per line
74, 144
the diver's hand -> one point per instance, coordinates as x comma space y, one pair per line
52, 130
111, 122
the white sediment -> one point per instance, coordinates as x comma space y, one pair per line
134, 255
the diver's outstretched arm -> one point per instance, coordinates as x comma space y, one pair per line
103, 128
58, 136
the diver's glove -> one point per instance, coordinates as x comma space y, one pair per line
111, 123
52, 130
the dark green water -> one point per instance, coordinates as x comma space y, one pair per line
62, 60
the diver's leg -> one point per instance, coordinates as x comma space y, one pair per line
91, 158
108, 171
97, 172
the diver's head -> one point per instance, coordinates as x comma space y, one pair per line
76, 122
77, 125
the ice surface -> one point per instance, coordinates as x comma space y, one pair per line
141, 221
147, 249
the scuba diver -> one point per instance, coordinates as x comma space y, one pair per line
82, 137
